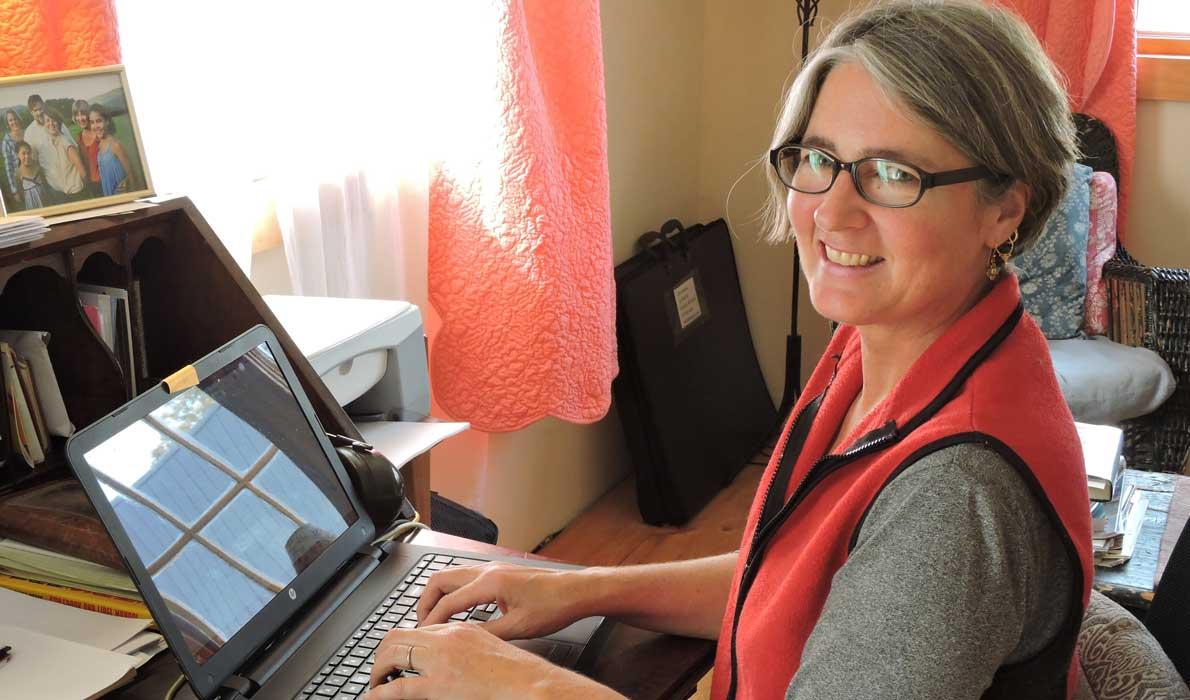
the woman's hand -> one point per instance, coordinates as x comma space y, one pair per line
532, 602
462, 661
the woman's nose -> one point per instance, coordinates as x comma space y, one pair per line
841, 207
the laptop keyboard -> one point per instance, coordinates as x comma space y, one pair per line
347, 674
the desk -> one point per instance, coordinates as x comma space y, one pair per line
1132, 584
639, 664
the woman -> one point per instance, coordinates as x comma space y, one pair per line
115, 174
14, 136
922, 530
64, 169
88, 145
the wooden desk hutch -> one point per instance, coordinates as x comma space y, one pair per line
193, 296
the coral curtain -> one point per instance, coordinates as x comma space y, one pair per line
1093, 43
520, 263
43, 36
452, 153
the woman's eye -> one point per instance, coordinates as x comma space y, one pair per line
893, 173
817, 161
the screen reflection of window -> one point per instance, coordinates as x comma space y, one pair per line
222, 517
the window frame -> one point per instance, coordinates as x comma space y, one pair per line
1163, 67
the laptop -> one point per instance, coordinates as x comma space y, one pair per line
239, 525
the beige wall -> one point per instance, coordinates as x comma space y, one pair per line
1158, 232
752, 50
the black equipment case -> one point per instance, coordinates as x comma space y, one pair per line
690, 393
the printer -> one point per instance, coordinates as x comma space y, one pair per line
370, 353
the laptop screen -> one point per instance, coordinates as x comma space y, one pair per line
226, 496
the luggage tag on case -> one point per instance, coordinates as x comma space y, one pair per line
686, 306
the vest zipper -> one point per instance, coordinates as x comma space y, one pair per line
823, 467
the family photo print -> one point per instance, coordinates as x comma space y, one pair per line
70, 142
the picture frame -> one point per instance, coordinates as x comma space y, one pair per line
70, 142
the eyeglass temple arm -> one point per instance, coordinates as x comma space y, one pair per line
951, 177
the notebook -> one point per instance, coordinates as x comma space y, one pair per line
242, 533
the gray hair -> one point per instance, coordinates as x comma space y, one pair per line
973, 73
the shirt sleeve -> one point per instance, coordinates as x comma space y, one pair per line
941, 588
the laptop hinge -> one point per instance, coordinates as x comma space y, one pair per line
370, 550
239, 686
267, 662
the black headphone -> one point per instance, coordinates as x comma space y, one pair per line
376, 481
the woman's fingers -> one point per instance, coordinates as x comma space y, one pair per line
393, 654
465, 598
403, 688
440, 584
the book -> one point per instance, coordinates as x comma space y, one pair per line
78, 598
34, 401
33, 346
23, 432
57, 516
1103, 447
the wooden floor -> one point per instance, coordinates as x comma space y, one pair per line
611, 531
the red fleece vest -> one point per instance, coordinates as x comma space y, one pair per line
987, 380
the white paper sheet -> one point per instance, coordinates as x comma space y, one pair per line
401, 441
47, 667
65, 622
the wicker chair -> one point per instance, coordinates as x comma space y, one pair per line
1148, 307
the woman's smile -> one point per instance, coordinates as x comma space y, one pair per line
844, 258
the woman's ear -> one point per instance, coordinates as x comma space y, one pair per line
1005, 215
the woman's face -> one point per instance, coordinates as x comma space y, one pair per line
80, 118
98, 124
926, 262
52, 125
11, 120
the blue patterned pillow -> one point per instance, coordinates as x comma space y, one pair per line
1053, 272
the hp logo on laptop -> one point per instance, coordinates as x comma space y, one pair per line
292, 594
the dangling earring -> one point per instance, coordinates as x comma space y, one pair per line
1000, 256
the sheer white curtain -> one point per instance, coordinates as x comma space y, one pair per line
329, 113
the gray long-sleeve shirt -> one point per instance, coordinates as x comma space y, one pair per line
956, 572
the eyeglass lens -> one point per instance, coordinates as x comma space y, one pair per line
881, 181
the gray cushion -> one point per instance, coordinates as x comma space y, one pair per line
1121, 660
1105, 382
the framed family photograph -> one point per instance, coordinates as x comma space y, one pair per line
70, 142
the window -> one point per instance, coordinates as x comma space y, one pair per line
1163, 50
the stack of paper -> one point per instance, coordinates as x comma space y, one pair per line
15, 230
1114, 544
61, 652
68, 580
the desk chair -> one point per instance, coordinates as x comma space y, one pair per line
1169, 617
1121, 660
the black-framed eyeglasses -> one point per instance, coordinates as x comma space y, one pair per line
884, 182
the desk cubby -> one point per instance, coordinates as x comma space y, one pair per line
191, 295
